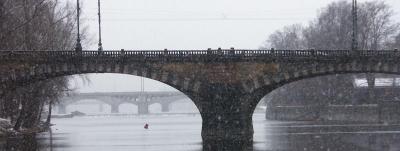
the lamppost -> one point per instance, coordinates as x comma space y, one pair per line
142, 84
100, 44
78, 47
354, 44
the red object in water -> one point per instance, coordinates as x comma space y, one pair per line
146, 126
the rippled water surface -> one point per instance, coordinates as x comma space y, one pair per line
183, 133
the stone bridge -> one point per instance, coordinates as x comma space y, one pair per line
142, 99
225, 85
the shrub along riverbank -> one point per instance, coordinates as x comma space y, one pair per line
6, 129
34, 25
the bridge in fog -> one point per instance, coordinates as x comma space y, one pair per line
225, 85
114, 99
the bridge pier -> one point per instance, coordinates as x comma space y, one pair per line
371, 85
165, 107
62, 109
143, 105
143, 108
101, 108
114, 108
227, 119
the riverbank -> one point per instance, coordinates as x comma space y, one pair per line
2, 134
6, 129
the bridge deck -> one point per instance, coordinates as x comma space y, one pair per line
193, 54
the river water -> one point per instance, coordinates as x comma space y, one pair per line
183, 133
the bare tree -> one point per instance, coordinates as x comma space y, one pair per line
376, 25
333, 27
34, 25
290, 38
396, 43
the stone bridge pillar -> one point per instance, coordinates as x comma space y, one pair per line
143, 108
165, 106
143, 105
62, 109
371, 86
101, 108
114, 108
227, 118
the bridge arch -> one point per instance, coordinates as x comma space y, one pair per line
128, 108
375, 99
186, 85
262, 85
155, 108
44, 72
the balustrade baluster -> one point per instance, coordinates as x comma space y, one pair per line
272, 52
188, 54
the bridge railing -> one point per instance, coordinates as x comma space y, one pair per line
230, 53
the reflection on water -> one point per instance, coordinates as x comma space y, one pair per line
336, 142
25, 143
183, 133
224, 145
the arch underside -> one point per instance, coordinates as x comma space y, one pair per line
44, 72
265, 84
35, 73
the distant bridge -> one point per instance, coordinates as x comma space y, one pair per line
142, 99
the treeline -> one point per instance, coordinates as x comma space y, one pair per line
34, 25
332, 29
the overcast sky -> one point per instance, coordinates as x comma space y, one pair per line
197, 24
191, 24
